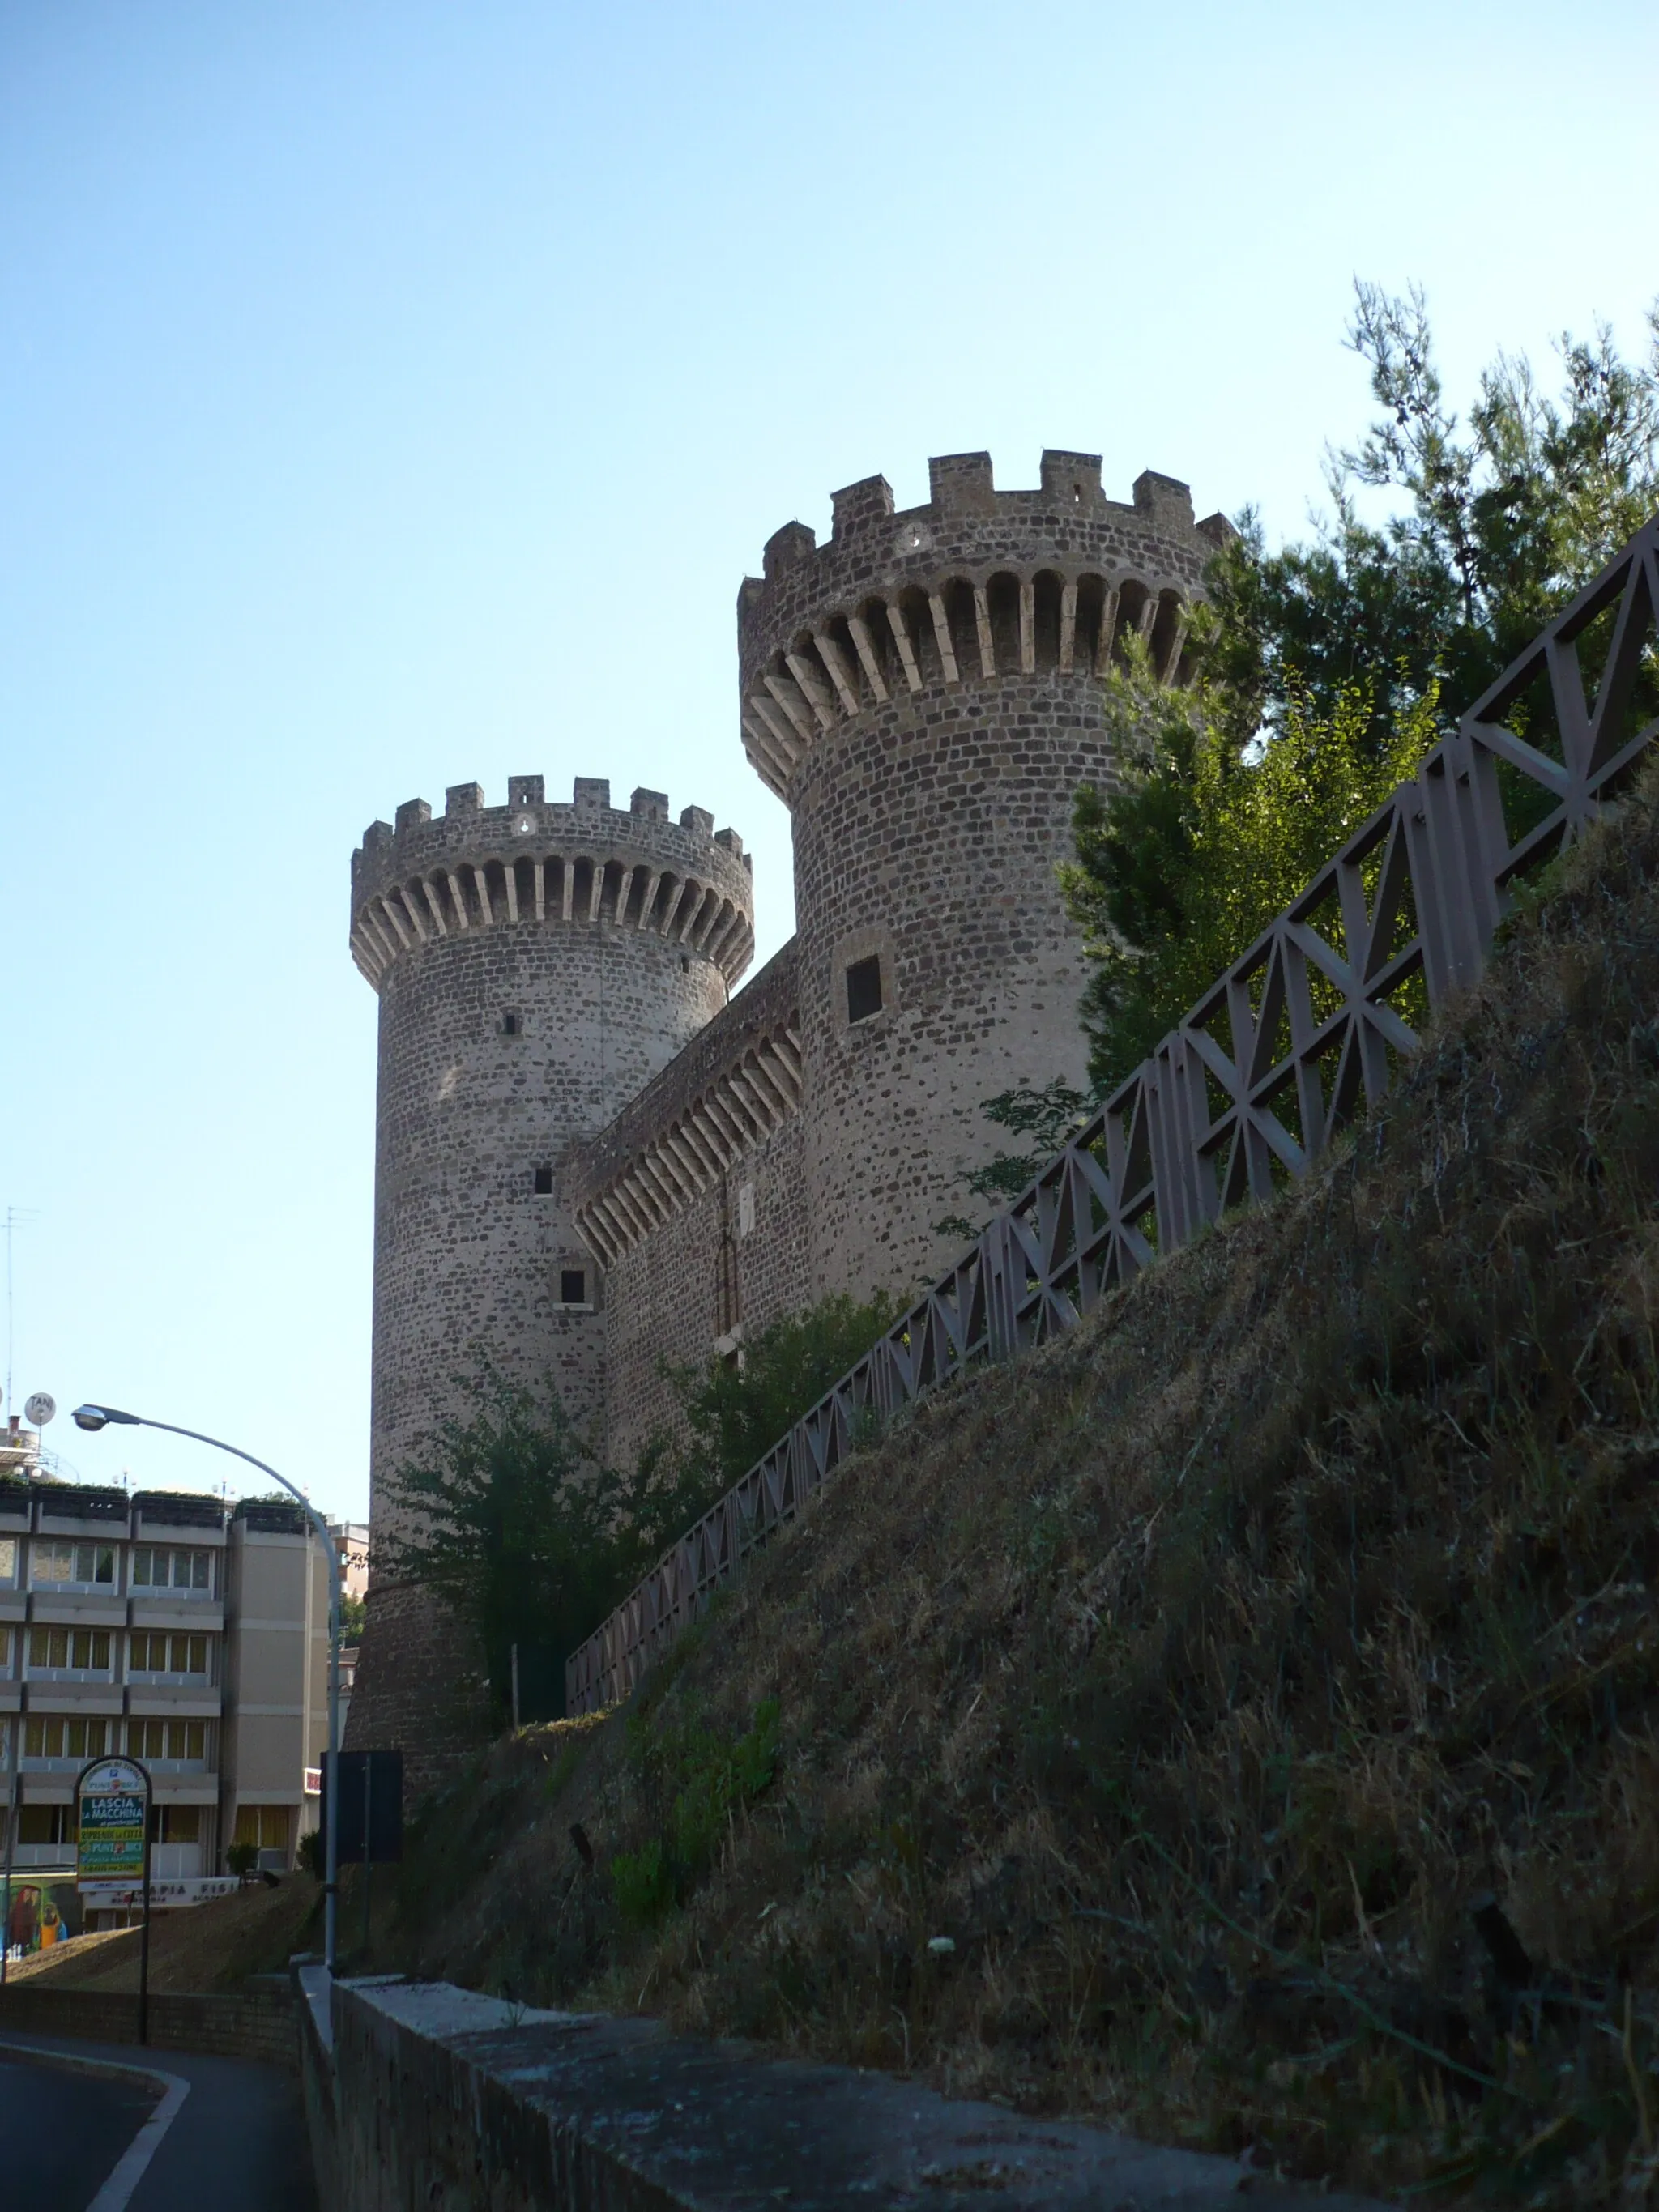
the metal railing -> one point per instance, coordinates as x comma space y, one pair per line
1279, 1056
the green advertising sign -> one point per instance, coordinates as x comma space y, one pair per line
113, 1810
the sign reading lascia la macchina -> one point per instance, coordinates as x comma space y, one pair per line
114, 1797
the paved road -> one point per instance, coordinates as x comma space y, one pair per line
238, 2141
60, 2133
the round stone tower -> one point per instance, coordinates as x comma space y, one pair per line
925, 693
536, 965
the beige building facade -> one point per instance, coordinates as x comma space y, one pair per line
163, 1626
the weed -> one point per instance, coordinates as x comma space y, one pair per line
690, 1780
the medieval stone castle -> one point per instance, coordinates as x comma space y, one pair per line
593, 1153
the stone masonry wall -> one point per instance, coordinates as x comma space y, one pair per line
927, 834
699, 1279
712, 1237
537, 965
420, 2096
259, 2024
926, 693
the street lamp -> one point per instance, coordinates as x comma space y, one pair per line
94, 1418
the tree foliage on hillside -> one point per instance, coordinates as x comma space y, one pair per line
1176, 872
516, 1524
736, 1410
518, 1529
1324, 670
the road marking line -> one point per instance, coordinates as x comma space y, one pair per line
128, 2169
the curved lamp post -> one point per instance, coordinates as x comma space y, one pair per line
92, 1418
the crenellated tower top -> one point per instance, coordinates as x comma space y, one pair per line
537, 863
979, 583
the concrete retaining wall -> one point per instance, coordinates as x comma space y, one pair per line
423, 2095
260, 2026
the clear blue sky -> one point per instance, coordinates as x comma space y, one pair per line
393, 395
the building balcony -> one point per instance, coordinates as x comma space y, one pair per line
177, 1609
174, 1862
68, 1606
186, 1701
41, 1855
98, 1693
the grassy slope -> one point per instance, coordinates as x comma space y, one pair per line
208, 1947
1196, 1676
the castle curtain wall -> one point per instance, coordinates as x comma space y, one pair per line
704, 1280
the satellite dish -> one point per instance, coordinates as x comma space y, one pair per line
40, 1409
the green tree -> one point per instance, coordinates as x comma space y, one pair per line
1045, 1118
1497, 523
1326, 669
1177, 872
735, 1411
517, 1527
354, 1617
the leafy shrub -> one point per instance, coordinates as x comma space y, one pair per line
691, 1781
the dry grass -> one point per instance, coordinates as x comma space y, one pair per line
201, 1947
1195, 1677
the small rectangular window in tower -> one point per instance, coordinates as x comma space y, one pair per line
511, 1025
542, 1181
864, 988
573, 1286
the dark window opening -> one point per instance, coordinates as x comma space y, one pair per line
511, 1025
573, 1286
685, 964
864, 988
544, 1180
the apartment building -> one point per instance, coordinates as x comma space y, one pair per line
160, 1625
275, 1727
351, 1541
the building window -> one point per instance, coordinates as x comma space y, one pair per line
156, 1654
46, 1824
175, 1824
53, 1736
573, 1286
8, 1559
57, 1650
542, 1181
264, 1826
864, 988
511, 1025
61, 1563
746, 1209
154, 1567
172, 1740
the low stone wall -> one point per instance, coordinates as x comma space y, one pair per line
420, 2095
258, 2026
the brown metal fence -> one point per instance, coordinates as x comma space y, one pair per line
1244, 1096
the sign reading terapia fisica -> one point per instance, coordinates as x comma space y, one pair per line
113, 1806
